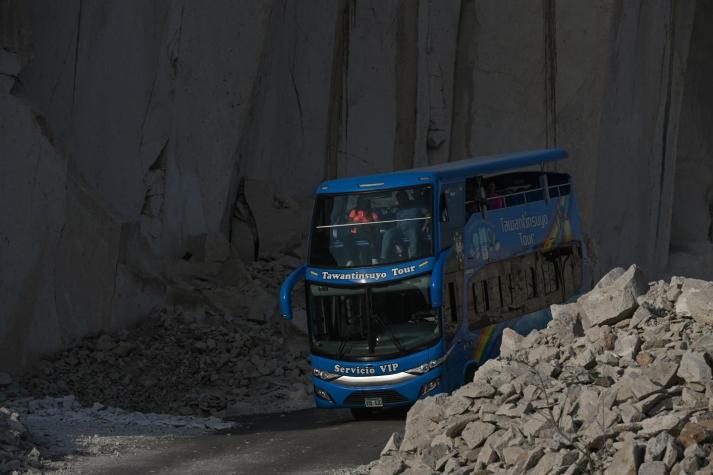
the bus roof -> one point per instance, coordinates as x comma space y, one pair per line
462, 168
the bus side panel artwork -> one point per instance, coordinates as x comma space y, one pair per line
486, 340
520, 229
519, 261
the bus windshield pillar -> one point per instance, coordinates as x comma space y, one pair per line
437, 279
286, 292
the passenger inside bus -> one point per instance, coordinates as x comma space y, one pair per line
409, 226
495, 201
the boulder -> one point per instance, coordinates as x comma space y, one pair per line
510, 343
476, 432
696, 300
613, 300
627, 346
392, 445
566, 321
626, 461
653, 468
656, 447
694, 368
609, 278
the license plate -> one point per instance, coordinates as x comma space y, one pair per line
373, 402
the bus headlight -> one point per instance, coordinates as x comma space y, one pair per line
322, 394
426, 367
325, 375
430, 386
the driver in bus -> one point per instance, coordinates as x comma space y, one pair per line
361, 214
408, 226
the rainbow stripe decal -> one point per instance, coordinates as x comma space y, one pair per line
486, 340
560, 230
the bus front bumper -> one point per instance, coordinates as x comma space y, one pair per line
403, 391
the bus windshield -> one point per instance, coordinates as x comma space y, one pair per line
385, 320
378, 227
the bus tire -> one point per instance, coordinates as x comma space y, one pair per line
361, 413
470, 373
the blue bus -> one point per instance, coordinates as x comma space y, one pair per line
412, 276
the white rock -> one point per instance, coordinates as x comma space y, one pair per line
654, 425
653, 468
511, 342
393, 444
476, 432
627, 346
610, 277
477, 390
626, 460
613, 301
694, 368
656, 447
696, 300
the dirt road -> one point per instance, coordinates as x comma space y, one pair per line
307, 442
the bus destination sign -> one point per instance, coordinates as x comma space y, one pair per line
370, 274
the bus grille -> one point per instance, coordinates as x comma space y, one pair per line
387, 396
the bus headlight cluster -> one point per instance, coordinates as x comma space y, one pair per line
325, 375
426, 367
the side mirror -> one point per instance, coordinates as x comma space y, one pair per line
286, 291
437, 279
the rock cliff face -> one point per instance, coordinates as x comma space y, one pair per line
126, 129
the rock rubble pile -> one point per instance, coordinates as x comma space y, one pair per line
17, 452
620, 382
219, 350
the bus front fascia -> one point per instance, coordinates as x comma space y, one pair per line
436, 289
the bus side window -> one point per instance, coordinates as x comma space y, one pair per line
454, 305
479, 296
549, 275
483, 296
507, 289
517, 288
531, 282
452, 308
505, 293
443, 207
494, 294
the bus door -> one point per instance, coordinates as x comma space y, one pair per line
453, 323
452, 215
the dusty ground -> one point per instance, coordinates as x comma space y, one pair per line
307, 441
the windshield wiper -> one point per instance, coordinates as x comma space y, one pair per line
341, 351
392, 335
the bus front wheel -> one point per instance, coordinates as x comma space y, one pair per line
362, 413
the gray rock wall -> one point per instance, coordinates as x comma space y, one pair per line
693, 198
127, 127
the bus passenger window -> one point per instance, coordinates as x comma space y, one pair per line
549, 276
454, 302
532, 283
485, 297
494, 294
505, 290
